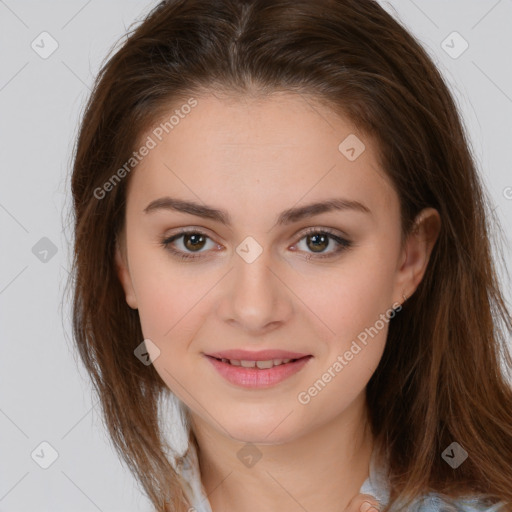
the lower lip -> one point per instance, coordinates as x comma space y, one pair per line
256, 378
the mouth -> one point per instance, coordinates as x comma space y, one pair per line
259, 364
257, 373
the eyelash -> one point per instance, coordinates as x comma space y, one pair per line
343, 244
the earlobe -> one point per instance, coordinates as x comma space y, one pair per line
123, 274
417, 251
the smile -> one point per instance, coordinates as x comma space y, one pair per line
257, 374
262, 365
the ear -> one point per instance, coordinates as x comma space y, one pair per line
123, 273
416, 253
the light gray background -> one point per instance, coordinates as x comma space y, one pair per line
45, 395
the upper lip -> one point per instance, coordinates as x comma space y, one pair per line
260, 355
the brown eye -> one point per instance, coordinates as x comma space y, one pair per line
194, 241
184, 244
319, 242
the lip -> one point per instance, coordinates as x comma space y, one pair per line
255, 378
261, 355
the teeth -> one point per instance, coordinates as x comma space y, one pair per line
265, 364
262, 365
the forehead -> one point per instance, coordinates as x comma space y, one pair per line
242, 150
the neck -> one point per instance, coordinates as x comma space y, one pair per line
322, 469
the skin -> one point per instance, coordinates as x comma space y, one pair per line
255, 158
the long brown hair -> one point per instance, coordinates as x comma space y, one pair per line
440, 379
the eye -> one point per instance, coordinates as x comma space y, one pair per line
316, 240
193, 240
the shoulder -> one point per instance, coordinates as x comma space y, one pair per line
377, 485
434, 503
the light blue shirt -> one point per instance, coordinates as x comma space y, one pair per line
375, 485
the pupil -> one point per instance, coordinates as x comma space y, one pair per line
322, 245
196, 239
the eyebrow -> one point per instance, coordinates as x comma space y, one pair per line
288, 216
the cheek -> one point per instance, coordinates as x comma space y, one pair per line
357, 312
173, 303
159, 308
354, 301
170, 310
159, 291
166, 291
351, 297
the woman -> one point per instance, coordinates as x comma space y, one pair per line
281, 231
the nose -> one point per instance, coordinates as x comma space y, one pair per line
255, 297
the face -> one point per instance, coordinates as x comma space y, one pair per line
256, 271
